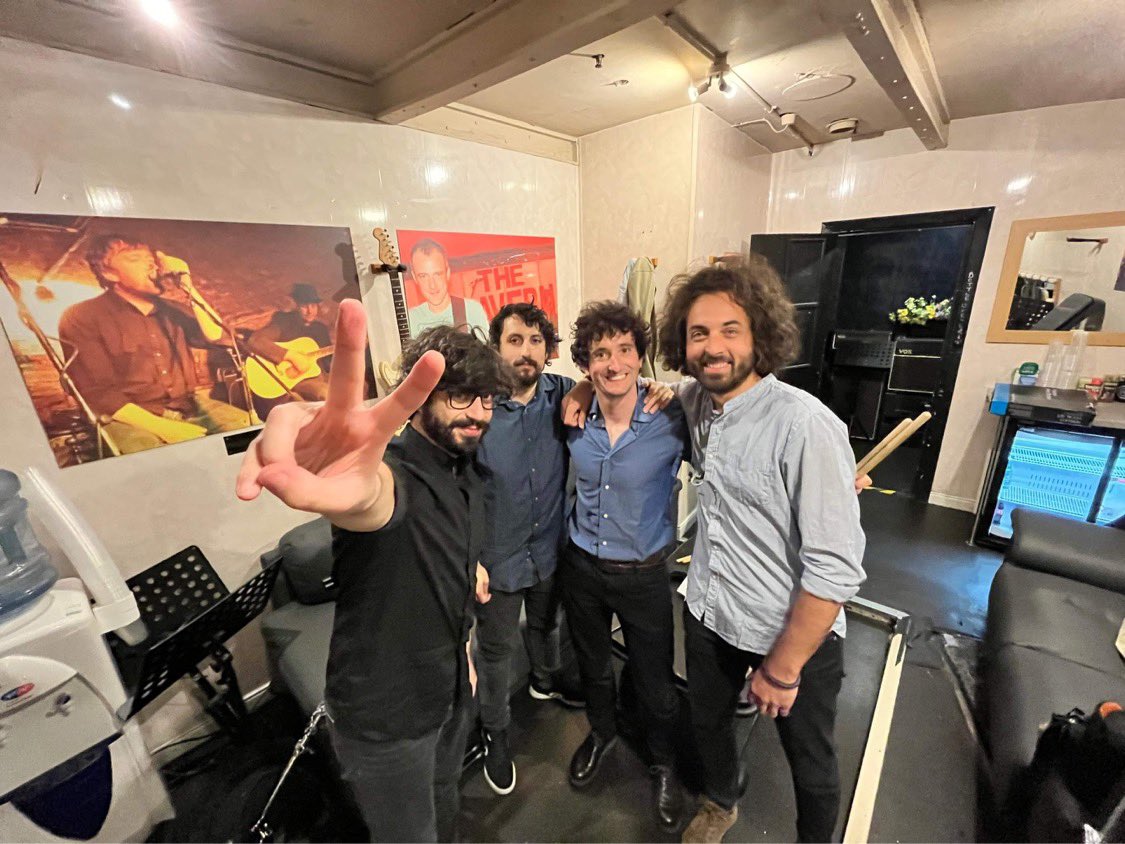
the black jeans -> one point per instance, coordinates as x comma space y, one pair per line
407, 789
498, 626
642, 601
716, 673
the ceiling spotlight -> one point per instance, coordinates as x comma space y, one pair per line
161, 11
120, 102
726, 88
697, 91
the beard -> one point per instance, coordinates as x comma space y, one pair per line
442, 432
717, 383
523, 380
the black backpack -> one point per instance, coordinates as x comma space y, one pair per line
1076, 777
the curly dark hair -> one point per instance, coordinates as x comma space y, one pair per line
530, 315
471, 367
604, 319
752, 283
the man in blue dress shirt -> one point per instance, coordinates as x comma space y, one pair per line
620, 531
525, 451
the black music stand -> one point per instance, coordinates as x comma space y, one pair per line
190, 613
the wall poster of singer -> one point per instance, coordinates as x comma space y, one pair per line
457, 278
132, 334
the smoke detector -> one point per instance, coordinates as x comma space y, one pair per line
843, 126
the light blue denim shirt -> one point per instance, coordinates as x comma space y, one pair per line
777, 510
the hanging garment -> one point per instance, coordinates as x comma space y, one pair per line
639, 293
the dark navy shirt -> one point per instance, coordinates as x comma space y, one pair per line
525, 451
624, 492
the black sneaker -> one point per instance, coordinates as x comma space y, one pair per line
553, 690
499, 769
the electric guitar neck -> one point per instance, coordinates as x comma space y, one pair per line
394, 270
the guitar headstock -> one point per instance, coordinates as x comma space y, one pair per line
387, 253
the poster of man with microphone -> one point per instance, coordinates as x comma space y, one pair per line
132, 334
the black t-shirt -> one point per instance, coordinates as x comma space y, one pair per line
396, 662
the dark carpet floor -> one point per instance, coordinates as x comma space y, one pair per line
917, 560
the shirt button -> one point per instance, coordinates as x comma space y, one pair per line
603, 542
533, 469
606, 486
605, 515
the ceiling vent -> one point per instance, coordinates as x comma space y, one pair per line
843, 126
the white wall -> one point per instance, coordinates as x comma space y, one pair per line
1041, 163
731, 189
636, 199
191, 150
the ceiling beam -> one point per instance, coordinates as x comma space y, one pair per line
889, 37
497, 43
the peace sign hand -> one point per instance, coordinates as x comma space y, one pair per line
327, 457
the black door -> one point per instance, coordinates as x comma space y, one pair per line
809, 266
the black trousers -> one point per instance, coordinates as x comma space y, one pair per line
716, 673
642, 601
498, 627
407, 789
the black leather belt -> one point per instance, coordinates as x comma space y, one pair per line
624, 566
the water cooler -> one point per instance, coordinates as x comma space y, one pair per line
70, 768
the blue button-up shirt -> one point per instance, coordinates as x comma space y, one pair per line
624, 504
777, 510
525, 451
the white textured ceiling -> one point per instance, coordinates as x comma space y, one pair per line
360, 36
1010, 55
991, 56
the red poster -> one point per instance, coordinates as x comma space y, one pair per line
456, 277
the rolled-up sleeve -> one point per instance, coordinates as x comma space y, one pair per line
819, 471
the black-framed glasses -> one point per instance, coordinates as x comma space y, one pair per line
464, 402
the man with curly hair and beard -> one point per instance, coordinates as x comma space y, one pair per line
621, 530
779, 549
408, 528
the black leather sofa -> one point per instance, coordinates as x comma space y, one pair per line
1054, 612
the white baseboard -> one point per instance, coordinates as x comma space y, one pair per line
954, 502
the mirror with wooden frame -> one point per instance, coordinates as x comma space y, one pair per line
1059, 274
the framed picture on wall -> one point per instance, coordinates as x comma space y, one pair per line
133, 334
458, 278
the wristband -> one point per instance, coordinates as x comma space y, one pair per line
777, 684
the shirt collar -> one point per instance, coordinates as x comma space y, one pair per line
546, 385
750, 397
431, 455
639, 414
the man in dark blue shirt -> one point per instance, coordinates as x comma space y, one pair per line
620, 532
526, 454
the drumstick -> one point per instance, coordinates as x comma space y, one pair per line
860, 469
902, 437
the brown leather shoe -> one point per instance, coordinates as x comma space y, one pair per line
710, 823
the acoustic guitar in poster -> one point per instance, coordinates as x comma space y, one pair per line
272, 380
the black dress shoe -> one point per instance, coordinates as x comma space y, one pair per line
667, 798
588, 758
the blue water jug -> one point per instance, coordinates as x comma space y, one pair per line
26, 572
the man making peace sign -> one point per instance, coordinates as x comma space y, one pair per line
408, 516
